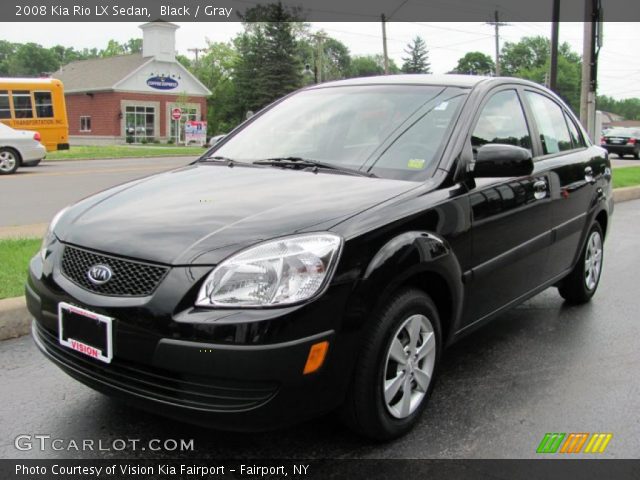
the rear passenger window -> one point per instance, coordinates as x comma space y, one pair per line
44, 105
502, 121
5, 109
552, 126
576, 137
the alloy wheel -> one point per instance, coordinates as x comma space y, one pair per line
409, 365
593, 260
7, 161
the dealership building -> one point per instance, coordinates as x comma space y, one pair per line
130, 98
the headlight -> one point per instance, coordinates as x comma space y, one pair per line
49, 237
277, 272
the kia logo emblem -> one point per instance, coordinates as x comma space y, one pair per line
99, 274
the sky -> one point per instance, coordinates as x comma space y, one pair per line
619, 67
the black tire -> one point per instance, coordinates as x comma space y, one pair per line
636, 154
9, 161
621, 155
365, 410
33, 163
574, 288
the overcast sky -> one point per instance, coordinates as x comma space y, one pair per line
619, 69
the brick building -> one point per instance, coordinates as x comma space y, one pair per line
129, 98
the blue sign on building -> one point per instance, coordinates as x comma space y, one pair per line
162, 83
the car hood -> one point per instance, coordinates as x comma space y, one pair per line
202, 213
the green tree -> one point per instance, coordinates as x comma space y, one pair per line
215, 70
31, 59
475, 63
529, 58
629, 108
321, 52
269, 65
370, 65
418, 57
133, 45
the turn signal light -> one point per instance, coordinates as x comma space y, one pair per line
317, 354
36, 136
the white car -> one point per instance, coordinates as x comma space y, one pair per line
18, 147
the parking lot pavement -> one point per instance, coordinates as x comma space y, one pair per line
542, 367
34, 195
624, 162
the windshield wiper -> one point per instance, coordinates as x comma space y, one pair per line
305, 162
218, 158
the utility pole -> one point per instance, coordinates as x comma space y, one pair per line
384, 19
555, 27
384, 44
592, 39
497, 24
196, 51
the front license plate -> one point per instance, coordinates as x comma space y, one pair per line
86, 332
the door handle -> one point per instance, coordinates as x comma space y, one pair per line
540, 189
588, 175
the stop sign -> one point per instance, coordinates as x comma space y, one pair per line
176, 113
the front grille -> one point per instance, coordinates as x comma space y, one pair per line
129, 278
197, 393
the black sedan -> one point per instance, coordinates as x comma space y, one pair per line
622, 141
324, 254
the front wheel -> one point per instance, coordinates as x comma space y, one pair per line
395, 370
580, 285
9, 161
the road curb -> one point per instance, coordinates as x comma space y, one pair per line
625, 194
15, 320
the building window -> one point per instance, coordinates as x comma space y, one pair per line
44, 105
177, 127
140, 124
5, 108
85, 124
22, 104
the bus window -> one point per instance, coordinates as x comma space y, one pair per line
5, 109
44, 105
22, 104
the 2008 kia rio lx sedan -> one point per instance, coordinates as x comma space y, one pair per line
324, 253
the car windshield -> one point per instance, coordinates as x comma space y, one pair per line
392, 131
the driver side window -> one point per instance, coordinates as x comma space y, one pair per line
502, 120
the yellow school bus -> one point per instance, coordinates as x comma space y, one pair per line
36, 104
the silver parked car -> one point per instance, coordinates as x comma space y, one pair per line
18, 147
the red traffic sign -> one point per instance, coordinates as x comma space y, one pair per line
176, 113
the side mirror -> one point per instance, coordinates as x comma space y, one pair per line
502, 160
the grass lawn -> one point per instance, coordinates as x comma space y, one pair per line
626, 177
14, 261
123, 151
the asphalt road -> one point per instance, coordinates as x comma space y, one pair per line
543, 367
34, 195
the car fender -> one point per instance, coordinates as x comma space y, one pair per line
402, 260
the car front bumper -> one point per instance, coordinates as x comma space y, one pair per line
165, 364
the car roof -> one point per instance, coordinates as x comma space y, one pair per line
452, 80
445, 80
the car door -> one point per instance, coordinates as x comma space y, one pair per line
573, 172
510, 216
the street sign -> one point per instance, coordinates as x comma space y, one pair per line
176, 113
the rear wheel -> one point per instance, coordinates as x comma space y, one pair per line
394, 373
636, 153
580, 285
9, 161
621, 155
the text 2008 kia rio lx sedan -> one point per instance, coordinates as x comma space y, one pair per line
324, 254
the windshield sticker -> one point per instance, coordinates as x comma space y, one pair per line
443, 106
416, 163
